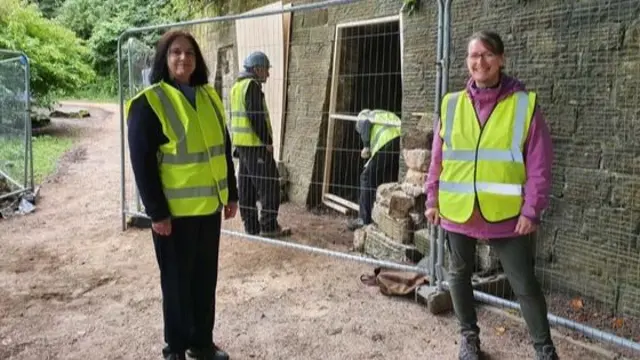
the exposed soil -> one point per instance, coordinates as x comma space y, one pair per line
73, 286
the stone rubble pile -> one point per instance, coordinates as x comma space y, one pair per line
398, 214
399, 231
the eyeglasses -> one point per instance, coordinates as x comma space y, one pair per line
485, 56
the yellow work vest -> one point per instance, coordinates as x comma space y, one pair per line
193, 164
242, 133
386, 127
484, 163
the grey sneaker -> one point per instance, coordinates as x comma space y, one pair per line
355, 224
547, 352
470, 347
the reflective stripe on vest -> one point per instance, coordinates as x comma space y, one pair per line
193, 164
386, 127
514, 154
484, 163
182, 155
242, 133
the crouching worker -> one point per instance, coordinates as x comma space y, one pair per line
380, 134
181, 158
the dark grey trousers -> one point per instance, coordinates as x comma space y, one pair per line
516, 257
259, 180
383, 168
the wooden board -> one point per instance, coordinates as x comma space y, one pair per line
286, 28
267, 34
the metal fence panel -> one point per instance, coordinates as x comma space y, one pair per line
338, 58
137, 60
16, 172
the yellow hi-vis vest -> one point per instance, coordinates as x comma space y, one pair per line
193, 164
485, 163
386, 127
242, 133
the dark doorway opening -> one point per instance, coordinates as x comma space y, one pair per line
369, 78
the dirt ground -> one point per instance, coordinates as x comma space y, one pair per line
73, 286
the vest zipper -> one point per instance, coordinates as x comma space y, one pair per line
475, 164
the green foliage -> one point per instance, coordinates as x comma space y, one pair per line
104, 89
47, 151
180, 10
61, 58
49, 7
101, 22
58, 57
79, 16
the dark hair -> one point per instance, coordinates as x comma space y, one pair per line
160, 71
491, 40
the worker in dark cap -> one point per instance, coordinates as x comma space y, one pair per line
251, 135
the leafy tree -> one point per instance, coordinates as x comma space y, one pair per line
81, 16
101, 22
49, 7
58, 57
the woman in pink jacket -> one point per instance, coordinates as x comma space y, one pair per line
490, 178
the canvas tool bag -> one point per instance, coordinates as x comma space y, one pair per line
394, 282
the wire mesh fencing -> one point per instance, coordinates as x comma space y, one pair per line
334, 103
16, 174
137, 60
582, 60
350, 95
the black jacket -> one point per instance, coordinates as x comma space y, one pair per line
254, 100
145, 137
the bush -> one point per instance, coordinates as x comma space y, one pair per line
59, 59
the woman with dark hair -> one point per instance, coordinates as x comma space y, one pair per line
181, 157
490, 178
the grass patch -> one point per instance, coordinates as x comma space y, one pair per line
104, 90
47, 151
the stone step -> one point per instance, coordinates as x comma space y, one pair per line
379, 246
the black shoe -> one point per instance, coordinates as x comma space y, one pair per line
279, 232
214, 353
174, 356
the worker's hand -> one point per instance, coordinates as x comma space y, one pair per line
270, 148
365, 153
525, 226
433, 215
230, 210
162, 227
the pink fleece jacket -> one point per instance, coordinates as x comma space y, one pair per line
538, 156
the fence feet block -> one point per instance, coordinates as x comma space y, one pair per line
139, 222
437, 301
